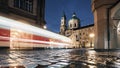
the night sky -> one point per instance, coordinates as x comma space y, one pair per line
54, 10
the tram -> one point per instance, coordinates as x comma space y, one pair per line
17, 35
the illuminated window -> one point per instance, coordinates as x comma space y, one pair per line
26, 5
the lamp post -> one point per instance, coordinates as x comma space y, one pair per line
91, 36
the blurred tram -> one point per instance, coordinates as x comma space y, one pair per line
18, 35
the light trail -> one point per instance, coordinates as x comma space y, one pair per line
7, 23
33, 41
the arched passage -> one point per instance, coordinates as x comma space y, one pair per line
115, 27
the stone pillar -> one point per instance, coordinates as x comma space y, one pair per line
99, 9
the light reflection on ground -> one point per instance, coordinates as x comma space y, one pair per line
54, 58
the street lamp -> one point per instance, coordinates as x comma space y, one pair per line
45, 27
91, 36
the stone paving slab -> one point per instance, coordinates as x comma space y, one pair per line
63, 64
55, 66
44, 63
52, 61
30, 65
65, 60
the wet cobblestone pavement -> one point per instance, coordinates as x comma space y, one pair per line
59, 58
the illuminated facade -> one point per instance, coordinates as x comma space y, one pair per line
81, 36
106, 22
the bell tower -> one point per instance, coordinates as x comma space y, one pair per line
63, 24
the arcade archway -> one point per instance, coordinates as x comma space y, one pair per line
115, 27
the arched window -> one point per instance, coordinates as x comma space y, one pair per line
70, 25
77, 38
75, 25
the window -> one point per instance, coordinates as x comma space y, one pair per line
86, 34
75, 25
83, 33
80, 33
62, 23
70, 25
77, 38
0, 2
67, 33
26, 5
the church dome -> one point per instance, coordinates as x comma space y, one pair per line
74, 22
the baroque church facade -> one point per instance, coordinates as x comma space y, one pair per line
82, 37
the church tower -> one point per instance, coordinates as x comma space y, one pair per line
63, 25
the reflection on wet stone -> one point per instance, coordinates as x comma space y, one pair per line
62, 58
12, 67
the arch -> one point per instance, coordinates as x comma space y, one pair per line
115, 26
115, 10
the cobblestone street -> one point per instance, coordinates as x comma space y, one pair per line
58, 58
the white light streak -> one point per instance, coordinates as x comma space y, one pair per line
34, 41
10, 23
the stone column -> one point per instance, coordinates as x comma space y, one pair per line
99, 9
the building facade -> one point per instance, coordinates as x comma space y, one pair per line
29, 12
82, 37
106, 22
